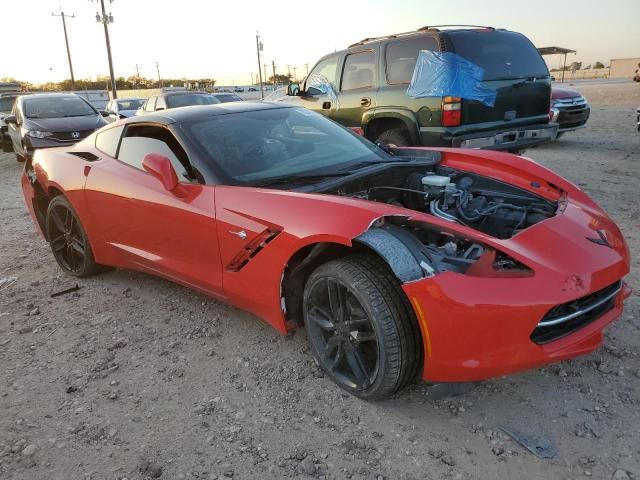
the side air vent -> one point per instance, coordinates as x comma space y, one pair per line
88, 156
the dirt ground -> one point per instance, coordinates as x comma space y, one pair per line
133, 377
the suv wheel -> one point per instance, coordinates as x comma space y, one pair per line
396, 136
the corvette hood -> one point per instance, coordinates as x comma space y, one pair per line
579, 242
65, 124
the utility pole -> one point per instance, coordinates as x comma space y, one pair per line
157, 64
137, 75
289, 71
295, 77
259, 48
306, 65
106, 20
266, 77
273, 64
66, 41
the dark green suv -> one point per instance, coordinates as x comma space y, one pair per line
369, 83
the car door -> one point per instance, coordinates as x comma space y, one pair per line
170, 233
315, 99
358, 88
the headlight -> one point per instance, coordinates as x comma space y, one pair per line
38, 134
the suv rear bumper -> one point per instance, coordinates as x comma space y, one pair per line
505, 138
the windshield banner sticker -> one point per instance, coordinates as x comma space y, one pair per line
442, 74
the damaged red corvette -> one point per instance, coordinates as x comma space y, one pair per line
452, 265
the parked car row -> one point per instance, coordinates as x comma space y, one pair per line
47, 120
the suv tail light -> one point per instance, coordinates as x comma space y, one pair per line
451, 111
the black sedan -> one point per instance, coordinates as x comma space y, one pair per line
50, 120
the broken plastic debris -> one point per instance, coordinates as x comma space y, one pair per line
66, 290
7, 281
540, 446
443, 74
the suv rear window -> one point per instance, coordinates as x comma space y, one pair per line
401, 57
503, 55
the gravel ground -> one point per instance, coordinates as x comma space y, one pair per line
134, 377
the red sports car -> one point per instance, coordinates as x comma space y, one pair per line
455, 265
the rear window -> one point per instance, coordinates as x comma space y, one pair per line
503, 55
131, 104
187, 99
401, 57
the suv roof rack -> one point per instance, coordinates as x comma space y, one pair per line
438, 27
434, 28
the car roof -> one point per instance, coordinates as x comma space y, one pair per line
53, 95
183, 92
424, 31
178, 114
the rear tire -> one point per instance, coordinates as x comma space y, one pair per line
361, 328
396, 136
68, 240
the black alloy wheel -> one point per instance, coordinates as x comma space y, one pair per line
361, 332
68, 239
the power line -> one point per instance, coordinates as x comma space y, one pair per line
66, 41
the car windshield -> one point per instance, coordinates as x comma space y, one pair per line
132, 104
57, 107
187, 99
503, 55
6, 104
257, 146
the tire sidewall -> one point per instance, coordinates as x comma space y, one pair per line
332, 270
88, 263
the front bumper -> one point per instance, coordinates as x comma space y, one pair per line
571, 117
470, 333
515, 138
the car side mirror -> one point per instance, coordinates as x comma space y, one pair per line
293, 89
11, 119
160, 167
105, 113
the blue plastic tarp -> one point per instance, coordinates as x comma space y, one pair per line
442, 74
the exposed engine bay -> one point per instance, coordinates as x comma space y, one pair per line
482, 203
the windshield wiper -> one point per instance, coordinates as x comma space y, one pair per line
301, 178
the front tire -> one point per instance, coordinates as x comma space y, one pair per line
68, 240
361, 328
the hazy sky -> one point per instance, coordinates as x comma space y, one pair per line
205, 38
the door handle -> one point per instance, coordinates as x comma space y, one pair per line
365, 102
